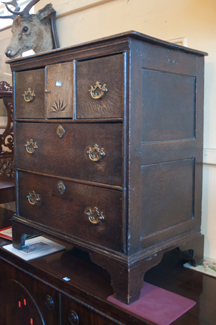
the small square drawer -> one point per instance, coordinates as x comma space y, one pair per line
91, 213
29, 94
59, 90
100, 87
74, 313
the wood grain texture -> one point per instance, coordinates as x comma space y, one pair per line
35, 81
150, 179
67, 212
108, 71
68, 156
59, 83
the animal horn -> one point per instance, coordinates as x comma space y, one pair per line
23, 13
13, 3
26, 10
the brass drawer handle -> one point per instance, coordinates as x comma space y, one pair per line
31, 146
33, 198
28, 95
95, 153
102, 90
61, 187
94, 215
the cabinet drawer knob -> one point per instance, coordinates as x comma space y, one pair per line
49, 302
28, 95
94, 215
102, 90
73, 317
95, 153
33, 198
31, 146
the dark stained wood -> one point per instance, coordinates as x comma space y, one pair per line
67, 212
153, 155
168, 114
68, 156
7, 189
108, 71
89, 286
19, 306
33, 80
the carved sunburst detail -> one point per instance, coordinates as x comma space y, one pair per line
58, 106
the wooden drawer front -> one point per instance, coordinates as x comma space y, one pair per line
79, 313
29, 94
67, 212
108, 71
47, 300
59, 90
68, 156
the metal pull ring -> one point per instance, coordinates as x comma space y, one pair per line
33, 198
94, 215
31, 146
28, 95
95, 153
102, 90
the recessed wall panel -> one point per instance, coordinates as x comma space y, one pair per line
167, 195
169, 104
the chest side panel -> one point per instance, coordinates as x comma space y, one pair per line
167, 144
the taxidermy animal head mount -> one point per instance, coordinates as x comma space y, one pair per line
35, 32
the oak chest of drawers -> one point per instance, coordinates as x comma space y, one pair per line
108, 139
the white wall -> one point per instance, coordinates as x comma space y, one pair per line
164, 19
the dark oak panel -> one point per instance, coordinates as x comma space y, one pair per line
108, 71
168, 192
169, 113
149, 178
35, 81
67, 212
68, 156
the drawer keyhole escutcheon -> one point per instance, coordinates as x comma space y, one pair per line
28, 95
102, 90
73, 317
31, 146
33, 198
60, 131
94, 215
95, 153
61, 187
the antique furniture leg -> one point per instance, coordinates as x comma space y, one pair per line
20, 233
126, 276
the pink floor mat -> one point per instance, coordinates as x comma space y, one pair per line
157, 305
